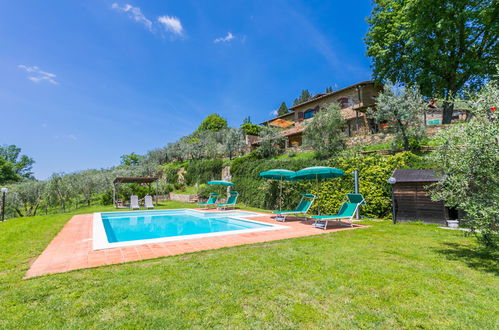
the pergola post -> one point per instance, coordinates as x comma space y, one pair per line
114, 194
156, 193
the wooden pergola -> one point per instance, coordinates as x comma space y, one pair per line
140, 180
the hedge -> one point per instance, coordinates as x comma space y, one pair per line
261, 193
374, 171
204, 170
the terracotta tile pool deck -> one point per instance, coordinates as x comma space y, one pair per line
72, 249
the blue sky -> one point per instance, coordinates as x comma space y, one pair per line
83, 82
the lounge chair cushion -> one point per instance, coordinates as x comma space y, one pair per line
287, 212
347, 210
302, 207
211, 201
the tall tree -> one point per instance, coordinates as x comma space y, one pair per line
444, 46
304, 97
14, 166
250, 129
329, 89
131, 159
283, 109
213, 122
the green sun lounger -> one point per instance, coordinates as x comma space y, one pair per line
212, 201
347, 211
231, 201
302, 207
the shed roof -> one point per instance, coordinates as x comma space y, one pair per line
411, 175
129, 179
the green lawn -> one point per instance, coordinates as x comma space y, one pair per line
386, 276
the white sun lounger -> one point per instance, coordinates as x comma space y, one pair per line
148, 202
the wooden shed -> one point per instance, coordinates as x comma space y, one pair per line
412, 201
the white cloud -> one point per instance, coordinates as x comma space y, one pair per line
227, 38
134, 13
274, 113
38, 75
72, 137
171, 24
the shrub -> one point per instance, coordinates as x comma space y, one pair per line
204, 191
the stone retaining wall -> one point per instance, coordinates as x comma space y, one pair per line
184, 198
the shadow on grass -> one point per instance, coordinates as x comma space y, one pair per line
480, 259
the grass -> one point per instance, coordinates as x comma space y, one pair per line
385, 276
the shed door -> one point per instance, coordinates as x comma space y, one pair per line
414, 203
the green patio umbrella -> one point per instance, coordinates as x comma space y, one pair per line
221, 183
318, 173
280, 175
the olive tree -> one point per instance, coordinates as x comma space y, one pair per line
26, 197
209, 144
271, 141
404, 108
324, 133
468, 154
60, 190
87, 184
232, 142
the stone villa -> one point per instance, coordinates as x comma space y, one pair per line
354, 101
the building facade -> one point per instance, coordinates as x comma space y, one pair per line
354, 101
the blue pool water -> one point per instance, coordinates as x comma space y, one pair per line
131, 226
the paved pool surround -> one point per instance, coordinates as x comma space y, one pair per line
72, 248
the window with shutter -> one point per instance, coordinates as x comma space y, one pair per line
344, 102
300, 116
308, 114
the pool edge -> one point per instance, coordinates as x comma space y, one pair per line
100, 241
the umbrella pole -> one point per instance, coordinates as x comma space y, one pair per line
280, 195
318, 197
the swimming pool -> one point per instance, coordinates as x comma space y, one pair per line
118, 229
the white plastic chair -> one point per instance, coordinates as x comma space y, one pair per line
134, 202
